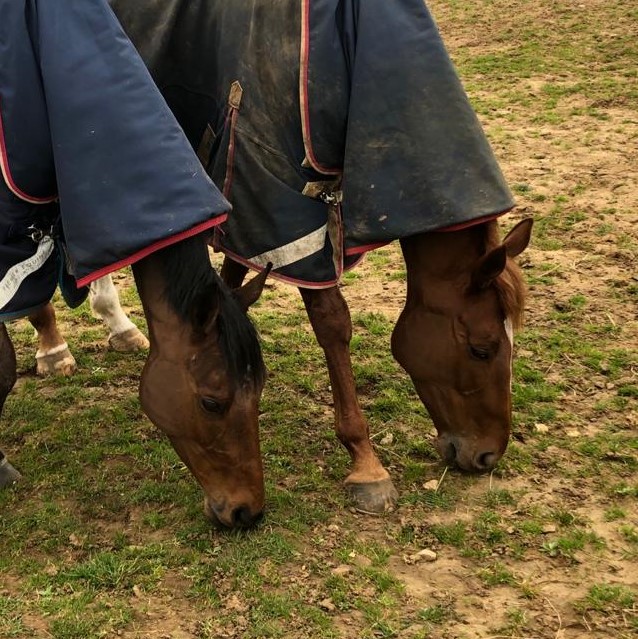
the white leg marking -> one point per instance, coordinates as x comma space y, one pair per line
105, 305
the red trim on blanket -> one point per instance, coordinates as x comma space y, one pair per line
304, 57
278, 276
358, 250
8, 178
230, 157
468, 224
145, 252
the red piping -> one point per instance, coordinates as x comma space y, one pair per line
357, 250
8, 178
468, 224
230, 158
304, 56
145, 252
278, 276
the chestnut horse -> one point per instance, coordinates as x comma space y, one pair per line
465, 296
202, 380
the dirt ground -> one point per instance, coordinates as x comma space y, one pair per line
592, 160
576, 174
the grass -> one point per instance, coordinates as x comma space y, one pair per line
105, 537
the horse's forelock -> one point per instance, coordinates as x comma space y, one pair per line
238, 340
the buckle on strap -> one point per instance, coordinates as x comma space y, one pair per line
325, 190
331, 197
37, 234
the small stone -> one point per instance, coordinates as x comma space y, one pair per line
387, 440
433, 484
541, 428
75, 541
361, 561
327, 604
573, 433
426, 555
334, 528
548, 528
510, 530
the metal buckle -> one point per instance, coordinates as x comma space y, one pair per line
37, 234
331, 197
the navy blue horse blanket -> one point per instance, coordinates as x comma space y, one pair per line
96, 171
332, 126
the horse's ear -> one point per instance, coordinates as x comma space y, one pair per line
489, 267
249, 293
518, 238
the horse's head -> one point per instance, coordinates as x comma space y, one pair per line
203, 380
455, 336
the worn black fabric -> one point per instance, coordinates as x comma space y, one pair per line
19, 221
83, 122
359, 93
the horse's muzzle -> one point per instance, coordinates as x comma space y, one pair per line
237, 518
470, 457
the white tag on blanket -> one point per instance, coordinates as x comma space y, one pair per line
19, 272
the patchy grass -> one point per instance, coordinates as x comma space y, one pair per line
105, 536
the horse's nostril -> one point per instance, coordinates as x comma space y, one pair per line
243, 517
449, 453
486, 461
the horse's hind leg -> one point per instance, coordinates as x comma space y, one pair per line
53, 356
8, 474
124, 335
369, 483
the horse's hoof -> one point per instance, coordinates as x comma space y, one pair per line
129, 341
57, 361
373, 497
8, 474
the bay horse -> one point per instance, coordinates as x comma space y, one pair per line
202, 380
80, 107
340, 125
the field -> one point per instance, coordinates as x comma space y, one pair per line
105, 537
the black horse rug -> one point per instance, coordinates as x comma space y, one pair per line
332, 126
96, 171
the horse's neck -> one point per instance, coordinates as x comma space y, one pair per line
437, 263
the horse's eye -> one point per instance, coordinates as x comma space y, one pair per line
480, 353
211, 405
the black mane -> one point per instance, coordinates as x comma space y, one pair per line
194, 290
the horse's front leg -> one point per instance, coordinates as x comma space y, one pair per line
233, 273
53, 356
369, 483
124, 336
8, 474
